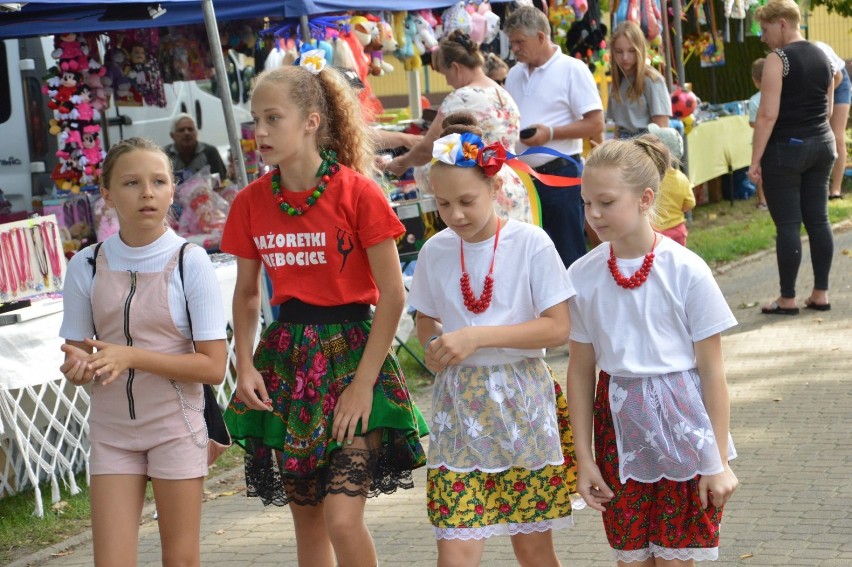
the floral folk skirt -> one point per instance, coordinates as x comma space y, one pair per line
478, 505
305, 368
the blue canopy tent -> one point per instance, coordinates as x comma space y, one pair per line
48, 17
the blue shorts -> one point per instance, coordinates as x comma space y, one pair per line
843, 92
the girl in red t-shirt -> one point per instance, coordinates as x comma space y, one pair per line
322, 407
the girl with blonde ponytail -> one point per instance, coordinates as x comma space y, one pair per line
649, 314
321, 406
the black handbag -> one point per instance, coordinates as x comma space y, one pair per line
217, 431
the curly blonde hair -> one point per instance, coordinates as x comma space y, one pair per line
342, 126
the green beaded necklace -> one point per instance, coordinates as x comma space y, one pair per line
327, 168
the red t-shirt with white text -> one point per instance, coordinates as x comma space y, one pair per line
319, 257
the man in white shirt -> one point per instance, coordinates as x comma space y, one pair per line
558, 98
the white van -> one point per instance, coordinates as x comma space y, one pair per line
27, 150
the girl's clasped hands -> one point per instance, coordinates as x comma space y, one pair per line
104, 366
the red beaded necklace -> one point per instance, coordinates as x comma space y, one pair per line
8, 260
639, 277
22, 260
48, 234
4, 279
478, 305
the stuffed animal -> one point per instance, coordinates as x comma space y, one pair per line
424, 37
407, 52
478, 24
69, 47
492, 22
389, 46
364, 30
586, 40
405, 43
456, 17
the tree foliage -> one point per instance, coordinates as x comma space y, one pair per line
842, 7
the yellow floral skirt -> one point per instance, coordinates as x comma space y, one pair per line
477, 505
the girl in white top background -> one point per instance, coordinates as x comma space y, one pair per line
491, 295
649, 314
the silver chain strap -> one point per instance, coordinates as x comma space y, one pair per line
184, 405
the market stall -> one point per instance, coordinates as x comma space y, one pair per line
718, 147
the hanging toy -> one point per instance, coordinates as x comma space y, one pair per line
492, 21
684, 103
424, 36
456, 17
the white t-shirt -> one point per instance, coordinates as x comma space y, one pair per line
650, 330
202, 289
528, 277
559, 92
837, 64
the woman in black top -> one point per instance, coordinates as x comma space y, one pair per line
794, 151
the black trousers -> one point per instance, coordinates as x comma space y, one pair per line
796, 176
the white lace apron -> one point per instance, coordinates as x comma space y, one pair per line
662, 428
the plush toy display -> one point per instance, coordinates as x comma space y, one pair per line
77, 95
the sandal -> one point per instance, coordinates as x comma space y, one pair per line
832, 197
775, 309
809, 304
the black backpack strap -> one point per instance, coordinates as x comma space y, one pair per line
94, 259
183, 286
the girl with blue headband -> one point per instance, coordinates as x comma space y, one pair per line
491, 295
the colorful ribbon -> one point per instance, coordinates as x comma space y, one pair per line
468, 150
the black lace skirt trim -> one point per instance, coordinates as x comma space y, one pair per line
353, 472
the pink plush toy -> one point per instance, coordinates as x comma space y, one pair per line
492, 22
68, 47
478, 24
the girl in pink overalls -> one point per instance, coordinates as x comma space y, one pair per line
146, 417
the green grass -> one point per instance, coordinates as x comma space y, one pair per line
22, 533
721, 232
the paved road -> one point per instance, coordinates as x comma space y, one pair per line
791, 420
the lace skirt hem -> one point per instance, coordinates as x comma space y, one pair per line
531, 467
383, 474
509, 529
667, 553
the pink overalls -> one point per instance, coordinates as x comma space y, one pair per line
140, 423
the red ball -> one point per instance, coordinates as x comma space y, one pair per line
684, 103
